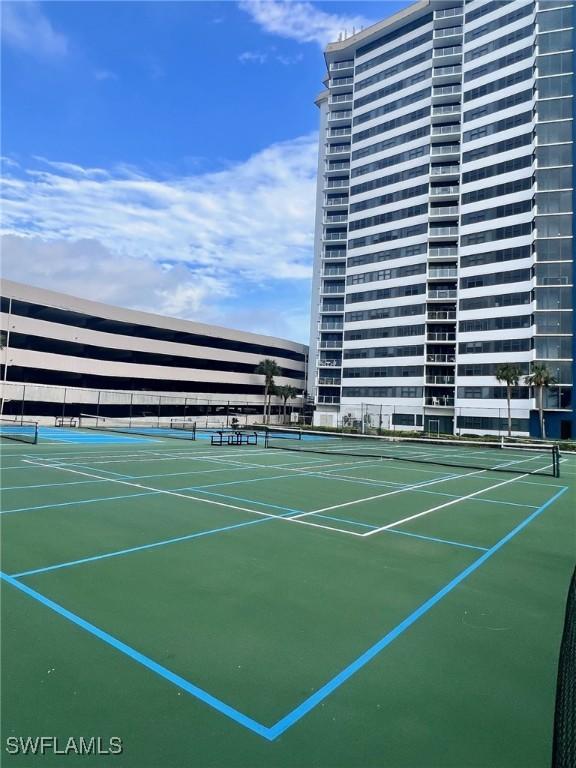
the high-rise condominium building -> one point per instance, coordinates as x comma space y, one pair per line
444, 236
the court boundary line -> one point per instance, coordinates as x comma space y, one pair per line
271, 733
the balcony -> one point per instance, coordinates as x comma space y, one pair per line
436, 253
332, 327
331, 272
336, 201
340, 98
340, 219
447, 13
448, 55
336, 66
329, 381
447, 211
330, 345
452, 190
442, 110
338, 149
436, 272
450, 71
444, 94
442, 293
441, 336
335, 236
445, 149
329, 399
344, 114
441, 401
338, 82
337, 183
441, 315
455, 32
329, 363
437, 357
336, 289
333, 132
442, 380
446, 130
337, 166
450, 171
443, 232
339, 253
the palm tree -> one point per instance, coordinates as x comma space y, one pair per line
540, 379
268, 368
286, 393
509, 374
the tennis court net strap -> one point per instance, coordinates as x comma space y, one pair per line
19, 430
564, 745
176, 428
466, 454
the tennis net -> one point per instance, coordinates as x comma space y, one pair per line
466, 454
176, 428
22, 431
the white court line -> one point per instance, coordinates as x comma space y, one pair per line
194, 498
442, 506
389, 493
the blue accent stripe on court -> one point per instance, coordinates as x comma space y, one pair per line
141, 547
241, 498
312, 701
83, 501
145, 661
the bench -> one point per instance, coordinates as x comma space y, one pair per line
61, 421
233, 437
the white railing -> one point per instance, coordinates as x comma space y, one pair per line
335, 289
338, 81
443, 231
440, 379
450, 149
342, 115
329, 399
330, 382
441, 337
339, 165
444, 170
336, 183
440, 358
447, 315
341, 65
450, 210
339, 98
446, 90
443, 252
337, 219
439, 191
447, 32
442, 294
339, 254
338, 149
455, 69
447, 12
451, 51
330, 363
338, 132
441, 400
332, 327
443, 272
334, 273
442, 130
446, 109
335, 236
339, 201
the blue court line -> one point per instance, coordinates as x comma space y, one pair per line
153, 545
433, 538
52, 485
282, 725
312, 701
240, 498
140, 658
405, 533
83, 466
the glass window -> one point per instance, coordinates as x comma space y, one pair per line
555, 64
554, 226
554, 202
554, 133
551, 87
554, 109
553, 298
553, 347
560, 19
560, 154
555, 41
554, 178
553, 322
554, 273
554, 250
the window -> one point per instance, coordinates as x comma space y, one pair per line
499, 300
559, 19
554, 133
554, 178
553, 322
554, 250
554, 109
500, 125
392, 105
554, 273
386, 162
391, 125
495, 170
554, 202
386, 218
391, 71
397, 85
497, 64
395, 253
392, 197
492, 257
497, 191
402, 138
393, 178
552, 87
558, 154
500, 146
495, 278
554, 64
496, 106
554, 226
498, 85
554, 347
553, 42
553, 298
499, 212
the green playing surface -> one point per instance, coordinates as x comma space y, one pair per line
245, 607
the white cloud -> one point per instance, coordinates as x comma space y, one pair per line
253, 57
105, 74
181, 246
27, 28
301, 21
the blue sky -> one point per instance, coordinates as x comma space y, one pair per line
162, 155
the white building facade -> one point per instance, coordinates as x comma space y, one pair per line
63, 356
444, 236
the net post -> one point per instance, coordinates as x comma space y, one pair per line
556, 460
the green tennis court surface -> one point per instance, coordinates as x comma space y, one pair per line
254, 607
